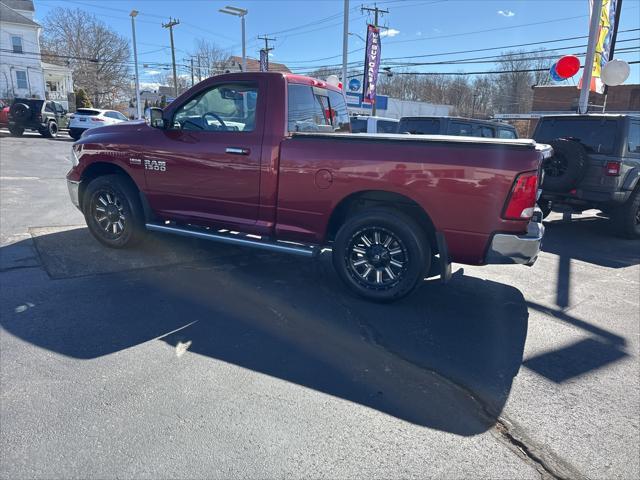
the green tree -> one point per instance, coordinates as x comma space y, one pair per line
82, 99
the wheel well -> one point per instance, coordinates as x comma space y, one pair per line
99, 169
377, 198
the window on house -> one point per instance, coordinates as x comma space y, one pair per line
16, 43
21, 79
52, 86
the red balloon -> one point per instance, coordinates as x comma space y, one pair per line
568, 66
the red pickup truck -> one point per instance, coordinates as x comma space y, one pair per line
267, 160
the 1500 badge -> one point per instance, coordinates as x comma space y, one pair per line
157, 165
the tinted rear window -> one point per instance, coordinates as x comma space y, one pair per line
86, 111
358, 125
420, 126
32, 102
597, 135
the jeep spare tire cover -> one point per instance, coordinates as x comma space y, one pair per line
566, 167
20, 111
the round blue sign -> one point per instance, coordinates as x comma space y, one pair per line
354, 84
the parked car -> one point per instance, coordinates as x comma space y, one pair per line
4, 114
596, 164
228, 162
456, 126
369, 124
85, 118
43, 116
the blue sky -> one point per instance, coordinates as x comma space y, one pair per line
309, 33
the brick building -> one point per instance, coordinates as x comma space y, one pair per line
550, 98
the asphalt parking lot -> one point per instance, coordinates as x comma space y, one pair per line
183, 359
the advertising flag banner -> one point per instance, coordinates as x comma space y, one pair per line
371, 64
604, 52
264, 61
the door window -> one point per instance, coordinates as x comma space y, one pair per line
116, 116
506, 133
460, 128
486, 132
223, 108
49, 107
633, 143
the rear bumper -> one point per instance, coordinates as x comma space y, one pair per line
74, 188
520, 249
76, 131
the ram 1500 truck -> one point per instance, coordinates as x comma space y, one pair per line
267, 160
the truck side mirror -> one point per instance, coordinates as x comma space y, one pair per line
155, 118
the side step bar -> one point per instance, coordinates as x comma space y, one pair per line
225, 236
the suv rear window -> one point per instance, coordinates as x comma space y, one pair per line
86, 111
419, 126
460, 128
597, 135
385, 126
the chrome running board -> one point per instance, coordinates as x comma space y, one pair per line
236, 238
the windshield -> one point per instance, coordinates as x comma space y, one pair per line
596, 134
424, 126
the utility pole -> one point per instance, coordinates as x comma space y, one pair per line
192, 78
199, 70
266, 48
376, 11
172, 23
133, 15
583, 103
345, 45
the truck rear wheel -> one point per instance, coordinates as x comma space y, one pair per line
381, 254
113, 212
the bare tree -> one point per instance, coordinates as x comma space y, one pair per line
98, 56
209, 59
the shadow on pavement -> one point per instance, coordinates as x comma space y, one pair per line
291, 319
592, 240
63, 136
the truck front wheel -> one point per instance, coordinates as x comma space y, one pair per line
112, 211
381, 254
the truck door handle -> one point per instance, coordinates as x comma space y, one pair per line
237, 151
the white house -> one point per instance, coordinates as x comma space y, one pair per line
22, 73
20, 66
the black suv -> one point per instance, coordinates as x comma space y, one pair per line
42, 116
596, 164
469, 127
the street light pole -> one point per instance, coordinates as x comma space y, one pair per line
345, 44
239, 12
583, 103
133, 15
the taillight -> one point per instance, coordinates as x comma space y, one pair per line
612, 169
96, 119
522, 199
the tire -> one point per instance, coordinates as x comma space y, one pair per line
626, 218
363, 268
16, 131
566, 167
51, 130
115, 198
20, 111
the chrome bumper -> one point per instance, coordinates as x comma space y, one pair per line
73, 192
521, 249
